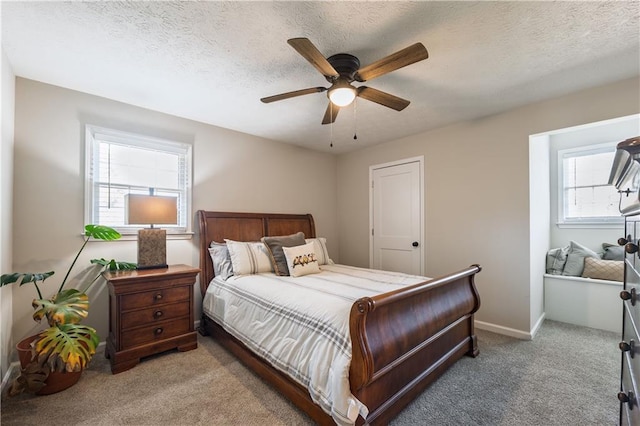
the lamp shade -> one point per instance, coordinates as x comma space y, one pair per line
151, 210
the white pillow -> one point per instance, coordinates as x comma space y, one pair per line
248, 258
320, 249
222, 266
301, 260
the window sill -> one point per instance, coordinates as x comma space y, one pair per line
134, 236
591, 225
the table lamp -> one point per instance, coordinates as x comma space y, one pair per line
152, 242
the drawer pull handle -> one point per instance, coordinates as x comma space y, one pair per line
158, 296
629, 295
626, 398
631, 248
157, 314
628, 347
623, 241
158, 331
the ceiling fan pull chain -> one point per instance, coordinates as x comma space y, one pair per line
355, 118
331, 125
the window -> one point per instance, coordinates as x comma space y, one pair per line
120, 163
585, 195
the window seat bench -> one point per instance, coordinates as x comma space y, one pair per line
583, 301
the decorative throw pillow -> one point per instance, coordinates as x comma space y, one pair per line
575, 259
274, 248
612, 270
556, 258
301, 260
613, 252
248, 258
320, 249
222, 266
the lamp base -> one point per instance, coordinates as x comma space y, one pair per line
152, 248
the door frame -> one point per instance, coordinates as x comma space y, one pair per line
422, 203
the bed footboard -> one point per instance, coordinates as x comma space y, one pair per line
403, 340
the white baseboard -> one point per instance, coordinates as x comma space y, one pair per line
519, 334
12, 372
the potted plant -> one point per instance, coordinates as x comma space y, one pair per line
62, 350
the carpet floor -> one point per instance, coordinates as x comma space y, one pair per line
567, 375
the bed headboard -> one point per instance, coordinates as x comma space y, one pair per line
216, 226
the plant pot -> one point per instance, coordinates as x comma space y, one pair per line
57, 381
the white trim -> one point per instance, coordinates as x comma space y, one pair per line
591, 225
586, 126
422, 183
604, 222
584, 280
519, 334
12, 372
142, 141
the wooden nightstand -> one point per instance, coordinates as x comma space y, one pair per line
150, 311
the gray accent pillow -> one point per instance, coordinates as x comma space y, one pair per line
556, 258
575, 259
274, 248
222, 266
613, 252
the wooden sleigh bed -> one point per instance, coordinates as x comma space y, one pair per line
401, 341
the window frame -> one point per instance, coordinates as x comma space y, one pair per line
96, 134
588, 222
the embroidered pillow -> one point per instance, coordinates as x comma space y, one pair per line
248, 258
320, 249
301, 260
612, 270
222, 266
274, 249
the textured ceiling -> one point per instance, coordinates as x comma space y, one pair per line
213, 61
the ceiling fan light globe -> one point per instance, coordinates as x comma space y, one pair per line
342, 96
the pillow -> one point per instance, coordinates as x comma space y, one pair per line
248, 258
613, 252
612, 270
301, 260
556, 258
575, 259
274, 248
222, 266
320, 249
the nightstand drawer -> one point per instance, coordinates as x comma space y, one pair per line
159, 331
154, 314
150, 311
154, 297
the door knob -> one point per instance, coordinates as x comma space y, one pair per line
631, 248
415, 244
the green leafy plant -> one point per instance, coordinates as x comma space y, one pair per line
66, 345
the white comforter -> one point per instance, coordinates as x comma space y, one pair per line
301, 325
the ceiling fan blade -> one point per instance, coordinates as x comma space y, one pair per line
331, 113
382, 98
402, 58
304, 47
293, 94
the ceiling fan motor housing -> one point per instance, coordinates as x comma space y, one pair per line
347, 65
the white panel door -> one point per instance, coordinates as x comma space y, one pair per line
397, 218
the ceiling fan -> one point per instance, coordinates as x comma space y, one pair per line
343, 69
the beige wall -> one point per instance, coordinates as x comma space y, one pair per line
232, 172
477, 194
6, 190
